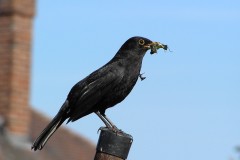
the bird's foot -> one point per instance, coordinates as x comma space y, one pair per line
116, 130
141, 77
101, 128
113, 129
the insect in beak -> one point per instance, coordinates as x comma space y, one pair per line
154, 46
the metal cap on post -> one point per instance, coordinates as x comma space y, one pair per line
112, 144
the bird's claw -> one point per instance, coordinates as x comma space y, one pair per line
114, 129
117, 131
101, 128
141, 77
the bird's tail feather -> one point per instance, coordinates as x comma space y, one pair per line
47, 133
50, 129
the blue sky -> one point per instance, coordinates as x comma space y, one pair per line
188, 106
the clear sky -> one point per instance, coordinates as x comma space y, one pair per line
187, 108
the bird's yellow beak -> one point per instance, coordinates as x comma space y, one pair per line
154, 46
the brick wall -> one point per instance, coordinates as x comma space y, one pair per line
15, 60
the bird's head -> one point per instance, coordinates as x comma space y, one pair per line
140, 45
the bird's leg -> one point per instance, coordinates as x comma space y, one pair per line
141, 77
103, 119
114, 127
111, 123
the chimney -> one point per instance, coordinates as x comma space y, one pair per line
15, 61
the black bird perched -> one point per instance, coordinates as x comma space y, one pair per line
103, 88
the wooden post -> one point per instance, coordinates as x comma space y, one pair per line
112, 145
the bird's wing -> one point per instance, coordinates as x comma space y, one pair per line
101, 84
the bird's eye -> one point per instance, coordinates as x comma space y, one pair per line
141, 42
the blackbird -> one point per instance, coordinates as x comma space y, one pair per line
104, 88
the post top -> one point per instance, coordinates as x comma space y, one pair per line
117, 144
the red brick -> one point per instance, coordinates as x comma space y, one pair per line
15, 47
15, 62
20, 7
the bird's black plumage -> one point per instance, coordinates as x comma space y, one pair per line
103, 88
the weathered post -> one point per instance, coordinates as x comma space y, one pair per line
112, 145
